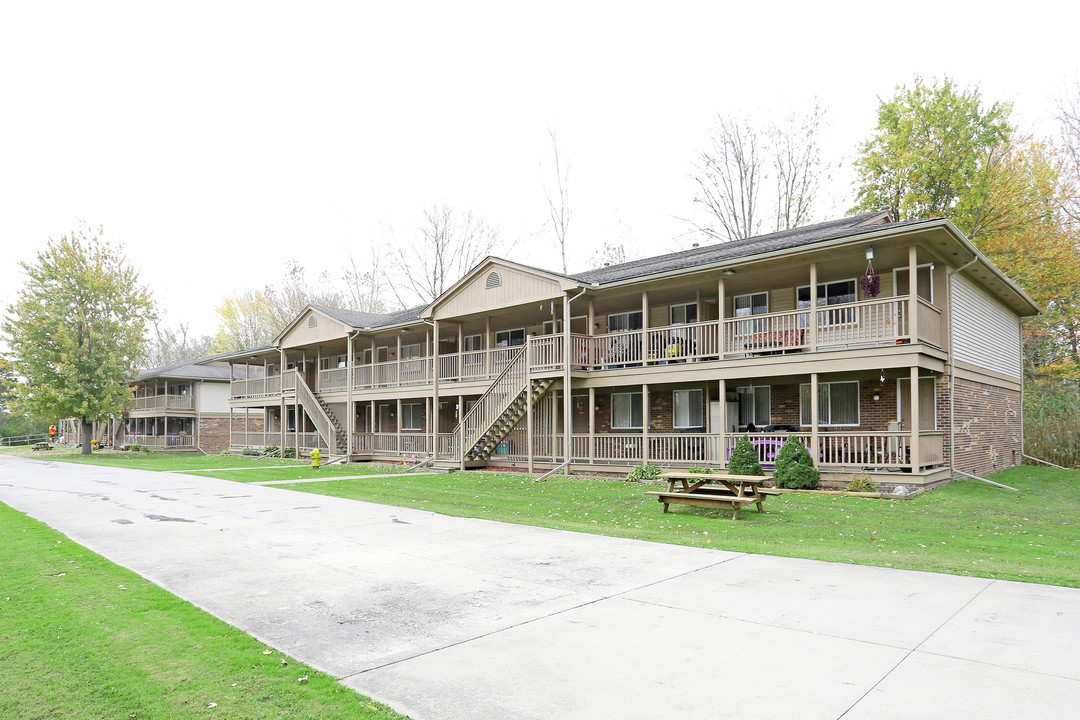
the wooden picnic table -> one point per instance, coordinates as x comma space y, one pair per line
714, 489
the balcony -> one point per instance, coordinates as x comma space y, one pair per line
163, 402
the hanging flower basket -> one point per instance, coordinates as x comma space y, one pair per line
870, 282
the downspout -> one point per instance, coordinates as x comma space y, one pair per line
568, 410
952, 368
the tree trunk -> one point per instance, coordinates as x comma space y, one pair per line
87, 436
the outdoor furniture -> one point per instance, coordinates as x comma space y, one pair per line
779, 341
42, 446
713, 490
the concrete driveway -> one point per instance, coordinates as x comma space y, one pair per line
446, 617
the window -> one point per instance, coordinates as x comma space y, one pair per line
688, 409
473, 343
838, 403
751, 304
755, 405
832, 293
510, 338
324, 363
341, 361
412, 416
410, 351
626, 411
684, 314
312, 321
624, 322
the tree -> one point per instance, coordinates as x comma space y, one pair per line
288, 298
166, 346
76, 331
1069, 120
364, 289
931, 152
245, 320
447, 245
742, 158
559, 206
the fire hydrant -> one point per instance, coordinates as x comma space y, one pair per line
315, 459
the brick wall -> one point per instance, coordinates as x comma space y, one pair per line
987, 427
874, 415
214, 433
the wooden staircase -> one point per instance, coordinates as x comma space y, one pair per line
507, 421
320, 415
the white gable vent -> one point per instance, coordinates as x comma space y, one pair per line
312, 321
493, 280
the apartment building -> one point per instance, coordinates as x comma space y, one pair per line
889, 348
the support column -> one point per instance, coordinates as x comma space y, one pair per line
529, 423
915, 439
461, 435
434, 422
815, 452
568, 410
913, 294
592, 424
644, 327
813, 308
721, 308
723, 423
645, 424
397, 418
350, 420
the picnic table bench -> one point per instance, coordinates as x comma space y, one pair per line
714, 490
42, 446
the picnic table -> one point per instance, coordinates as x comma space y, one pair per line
714, 489
44, 445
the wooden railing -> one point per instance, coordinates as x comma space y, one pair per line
931, 448
771, 332
256, 387
863, 323
163, 441
318, 416
254, 439
930, 324
508, 385
447, 446
163, 402
333, 379
546, 352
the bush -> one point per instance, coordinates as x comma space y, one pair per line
135, 448
250, 451
744, 460
861, 484
288, 453
270, 450
643, 472
795, 468
700, 470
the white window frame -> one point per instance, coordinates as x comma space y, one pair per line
468, 340
632, 405
852, 313
896, 287
509, 337
627, 315
691, 403
411, 357
858, 404
413, 413
749, 327
671, 313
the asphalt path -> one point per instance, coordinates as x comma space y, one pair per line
444, 617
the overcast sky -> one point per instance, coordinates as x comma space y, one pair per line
218, 140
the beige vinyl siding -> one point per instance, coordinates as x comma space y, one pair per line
782, 300
986, 333
509, 287
212, 397
303, 333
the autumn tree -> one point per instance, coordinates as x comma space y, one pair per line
932, 151
446, 246
245, 320
558, 199
364, 289
167, 345
76, 331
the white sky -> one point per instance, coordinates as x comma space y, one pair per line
217, 140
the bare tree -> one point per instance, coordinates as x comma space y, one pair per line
364, 288
729, 178
1069, 120
447, 245
288, 298
559, 205
166, 345
797, 167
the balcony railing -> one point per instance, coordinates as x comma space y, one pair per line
256, 387
163, 402
162, 441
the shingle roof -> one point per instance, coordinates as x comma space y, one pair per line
736, 249
188, 370
357, 319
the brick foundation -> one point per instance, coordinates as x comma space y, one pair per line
214, 433
988, 429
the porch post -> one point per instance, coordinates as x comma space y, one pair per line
460, 417
644, 424
815, 452
813, 309
350, 420
723, 421
488, 345
230, 425
644, 327
913, 296
397, 374
529, 423
397, 424
434, 425
914, 394
592, 425
281, 402
721, 302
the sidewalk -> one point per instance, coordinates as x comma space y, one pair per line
459, 618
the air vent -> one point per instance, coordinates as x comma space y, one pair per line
493, 280
312, 321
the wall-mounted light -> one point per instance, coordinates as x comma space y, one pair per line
877, 397
597, 408
870, 253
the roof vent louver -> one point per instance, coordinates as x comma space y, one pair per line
493, 280
312, 321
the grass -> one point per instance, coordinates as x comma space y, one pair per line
154, 461
965, 528
81, 637
301, 472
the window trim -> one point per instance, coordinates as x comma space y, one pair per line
671, 312
738, 393
419, 348
412, 418
700, 406
734, 309
854, 314
509, 333
640, 403
858, 404
896, 287
479, 341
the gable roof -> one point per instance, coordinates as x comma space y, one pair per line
564, 281
361, 320
198, 369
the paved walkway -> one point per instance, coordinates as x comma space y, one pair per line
456, 618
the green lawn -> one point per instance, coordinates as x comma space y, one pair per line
157, 461
301, 472
81, 637
966, 528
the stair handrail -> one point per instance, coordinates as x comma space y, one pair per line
326, 427
515, 369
